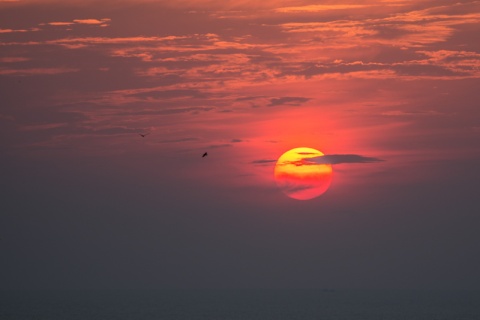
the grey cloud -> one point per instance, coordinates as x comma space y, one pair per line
423, 70
326, 159
312, 69
169, 94
265, 58
341, 158
263, 161
400, 68
168, 111
290, 101
249, 98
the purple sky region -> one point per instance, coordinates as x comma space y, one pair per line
387, 90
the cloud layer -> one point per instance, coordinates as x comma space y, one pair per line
354, 78
327, 159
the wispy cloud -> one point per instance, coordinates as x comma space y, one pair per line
60, 23
18, 30
98, 22
169, 94
36, 71
319, 7
89, 41
403, 113
264, 161
92, 21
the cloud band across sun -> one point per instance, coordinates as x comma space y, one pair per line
326, 159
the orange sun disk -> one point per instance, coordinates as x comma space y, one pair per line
299, 178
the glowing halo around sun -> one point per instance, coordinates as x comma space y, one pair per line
300, 178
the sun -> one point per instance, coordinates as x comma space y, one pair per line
300, 178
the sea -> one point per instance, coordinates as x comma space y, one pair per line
322, 304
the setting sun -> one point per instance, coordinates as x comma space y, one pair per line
300, 179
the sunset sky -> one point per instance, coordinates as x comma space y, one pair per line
389, 90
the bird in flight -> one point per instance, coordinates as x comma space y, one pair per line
143, 135
204, 155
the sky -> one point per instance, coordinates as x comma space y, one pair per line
388, 90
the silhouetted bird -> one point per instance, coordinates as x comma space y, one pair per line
143, 135
204, 155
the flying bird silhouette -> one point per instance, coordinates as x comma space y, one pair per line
143, 135
204, 155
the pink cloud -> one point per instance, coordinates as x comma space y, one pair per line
60, 23
105, 40
317, 8
92, 21
13, 30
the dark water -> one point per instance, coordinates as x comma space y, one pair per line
241, 305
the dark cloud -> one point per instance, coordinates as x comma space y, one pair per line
236, 140
248, 98
341, 158
289, 101
263, 161
169, 94
400, 68
264, 58
161, 111
310, 69
423, 70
